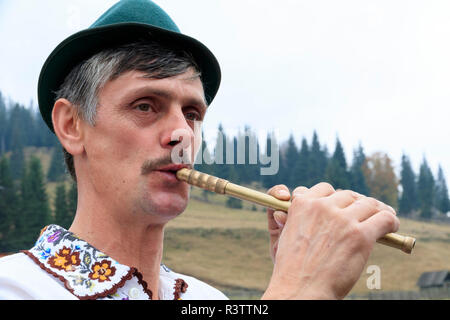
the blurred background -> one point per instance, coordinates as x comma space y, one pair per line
355, 93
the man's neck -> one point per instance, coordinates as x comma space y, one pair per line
136, 245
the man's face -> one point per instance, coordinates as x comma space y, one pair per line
128, 151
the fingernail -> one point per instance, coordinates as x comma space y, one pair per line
283, 193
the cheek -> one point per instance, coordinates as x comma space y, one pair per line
118, 152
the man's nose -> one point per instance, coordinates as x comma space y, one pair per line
176, 130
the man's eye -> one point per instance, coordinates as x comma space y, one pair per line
143, 107
192, 116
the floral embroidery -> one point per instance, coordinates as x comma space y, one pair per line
45, 253
102, 271
54, 237
88, 273
65, 259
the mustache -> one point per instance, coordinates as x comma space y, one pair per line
153, 164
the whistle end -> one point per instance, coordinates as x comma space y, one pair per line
408, 244
183, 174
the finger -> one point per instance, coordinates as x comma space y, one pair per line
321, 189
343, 198
365, 207
300, 190
380, 224
280, 218
280, 192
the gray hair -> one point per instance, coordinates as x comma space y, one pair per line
83, 83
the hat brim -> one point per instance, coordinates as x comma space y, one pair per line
82, 45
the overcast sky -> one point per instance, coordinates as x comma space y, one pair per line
369, 72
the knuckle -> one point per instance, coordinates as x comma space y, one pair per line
326, 186
348, 194
371, 202
299, 189
351, 194
389, 220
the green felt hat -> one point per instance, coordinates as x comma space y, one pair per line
126, 21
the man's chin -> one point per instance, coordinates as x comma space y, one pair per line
163, 198
167, 206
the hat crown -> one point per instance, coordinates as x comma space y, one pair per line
138, 11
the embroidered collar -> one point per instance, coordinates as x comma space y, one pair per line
85, 271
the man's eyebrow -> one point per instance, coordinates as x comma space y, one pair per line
168, 95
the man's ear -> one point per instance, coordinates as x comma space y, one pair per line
66, 124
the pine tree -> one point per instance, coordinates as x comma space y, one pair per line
17, 161
57, 168
317, 161
288, 161
62, 215
358, 181
220, 154
3, 125
8, 207
20, 129
336, 173
35, 210
44, 137
271, 155
425, 187
300, 174
408, 201
246, 154
442, 199
14, 135
204, 160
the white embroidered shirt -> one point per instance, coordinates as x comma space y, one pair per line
61, 266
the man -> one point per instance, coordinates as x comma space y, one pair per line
114, 95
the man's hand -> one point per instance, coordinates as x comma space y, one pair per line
325, 242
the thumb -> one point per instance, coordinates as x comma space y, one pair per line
280, 218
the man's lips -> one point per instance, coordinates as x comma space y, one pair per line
170, 171
172, 168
